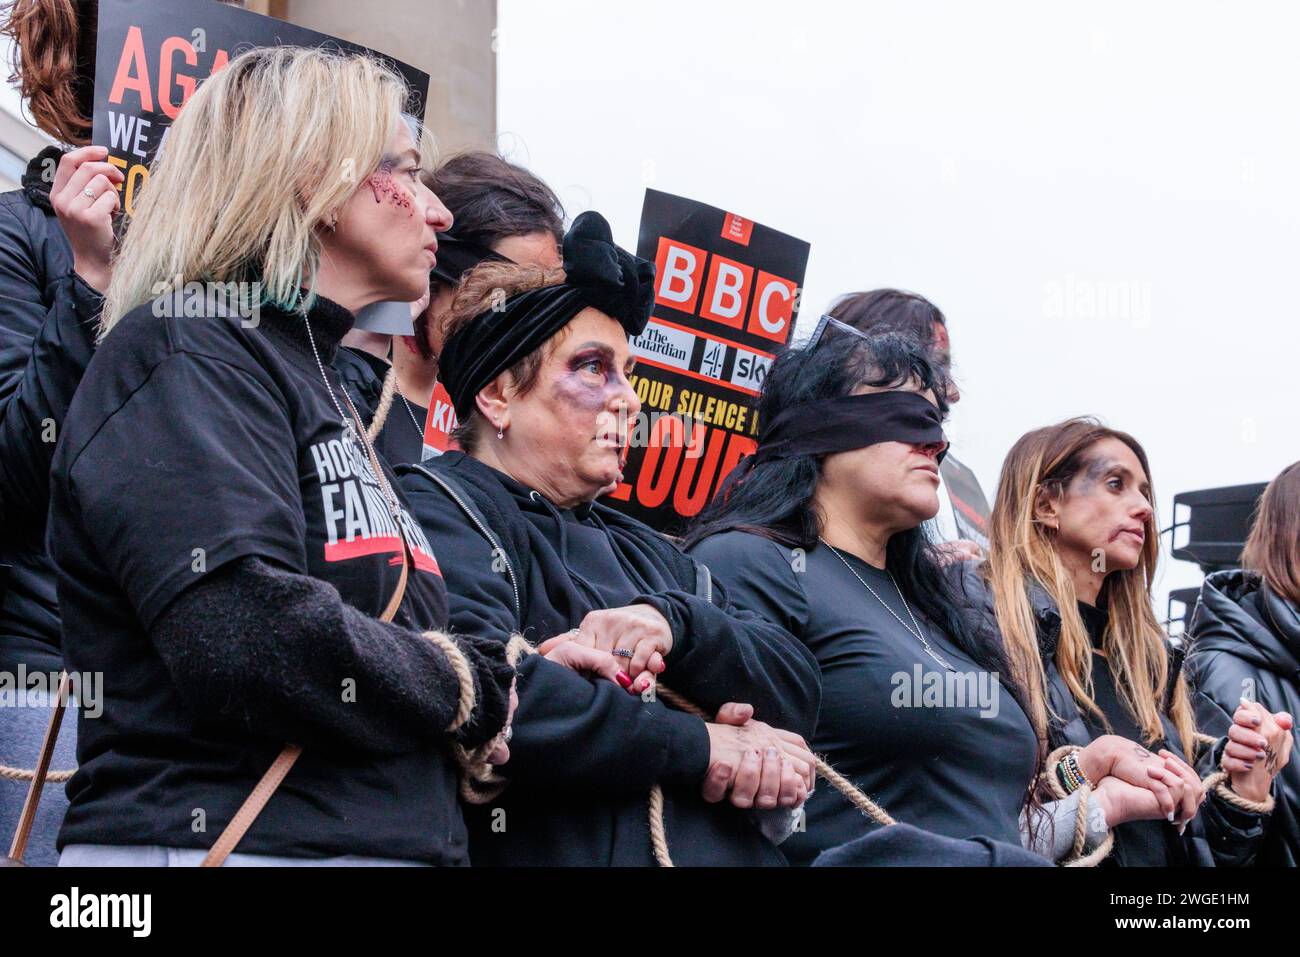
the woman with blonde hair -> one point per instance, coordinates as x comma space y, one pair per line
234, 558
1073, 550
56, 239
1246, 644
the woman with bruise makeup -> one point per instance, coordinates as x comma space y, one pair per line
1067, 584
234, 558
536, 362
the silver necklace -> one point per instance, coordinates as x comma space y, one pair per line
419, 429
389, 497
914, 631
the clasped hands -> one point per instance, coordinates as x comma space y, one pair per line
751, 763
1133, 784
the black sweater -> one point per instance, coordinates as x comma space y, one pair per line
585, 753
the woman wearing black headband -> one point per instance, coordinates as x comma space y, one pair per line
536, 363
821, 531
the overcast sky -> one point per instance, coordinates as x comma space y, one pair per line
1102, 199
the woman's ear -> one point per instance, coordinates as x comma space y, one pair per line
493, 401
1047, 508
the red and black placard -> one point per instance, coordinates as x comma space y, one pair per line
726, 299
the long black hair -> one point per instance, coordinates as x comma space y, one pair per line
775, 499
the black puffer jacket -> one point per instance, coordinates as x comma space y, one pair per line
1246, 642
47, 336
1220, 834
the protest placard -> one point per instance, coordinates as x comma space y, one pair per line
151, 56
726, 299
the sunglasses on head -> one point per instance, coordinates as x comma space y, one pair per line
825, 322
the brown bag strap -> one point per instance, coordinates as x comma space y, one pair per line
284, 761
25, 820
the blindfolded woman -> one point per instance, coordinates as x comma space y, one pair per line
537, 363
822, 531
1073, 552
234, 558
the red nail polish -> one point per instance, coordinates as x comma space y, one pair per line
623, 679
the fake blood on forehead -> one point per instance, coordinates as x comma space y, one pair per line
383, 186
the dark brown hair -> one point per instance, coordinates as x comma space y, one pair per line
491, 199
895, 310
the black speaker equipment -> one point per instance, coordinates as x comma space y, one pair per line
1218, 521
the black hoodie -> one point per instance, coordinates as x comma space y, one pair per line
1246, 642
47, 335
585, 753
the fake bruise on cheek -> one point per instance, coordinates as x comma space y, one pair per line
385, 188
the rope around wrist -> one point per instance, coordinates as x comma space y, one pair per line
1220, 785
481, 784
1085, 790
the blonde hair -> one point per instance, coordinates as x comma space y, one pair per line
1273, 546
1022, 550
264, 152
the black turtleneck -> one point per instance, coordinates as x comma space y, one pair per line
329, 323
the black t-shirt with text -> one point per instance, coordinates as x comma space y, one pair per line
193, 442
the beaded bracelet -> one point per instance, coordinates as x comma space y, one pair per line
1071, 774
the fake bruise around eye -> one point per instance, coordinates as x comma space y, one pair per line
384, 187
589, 381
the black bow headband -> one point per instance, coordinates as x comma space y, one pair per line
598, 274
